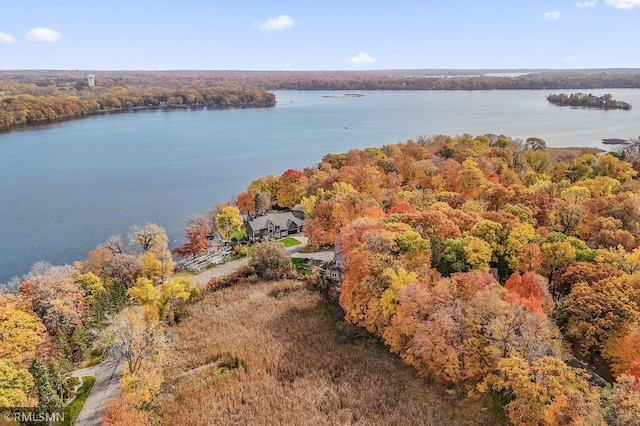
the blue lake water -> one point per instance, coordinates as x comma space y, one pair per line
66, 187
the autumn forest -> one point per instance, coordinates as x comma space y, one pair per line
490, 266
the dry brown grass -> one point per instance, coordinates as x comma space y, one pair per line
249, 355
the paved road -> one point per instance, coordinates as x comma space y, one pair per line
107, 386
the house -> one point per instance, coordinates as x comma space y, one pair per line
274, 226
297, 211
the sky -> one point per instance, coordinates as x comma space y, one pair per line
318, 34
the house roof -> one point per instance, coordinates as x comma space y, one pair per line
281, 220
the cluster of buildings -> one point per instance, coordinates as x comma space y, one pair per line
275, 226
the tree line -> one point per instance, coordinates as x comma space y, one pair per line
29, 103
38, 96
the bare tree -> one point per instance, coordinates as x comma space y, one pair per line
150, 237
114, 244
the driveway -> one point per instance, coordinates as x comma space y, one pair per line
219, 271
230, 267
325, 256
107, 374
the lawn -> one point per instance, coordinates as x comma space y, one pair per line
73, 410
289, 242
281, 355
239, 236
298, 264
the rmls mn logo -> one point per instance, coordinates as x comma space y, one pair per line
27, 416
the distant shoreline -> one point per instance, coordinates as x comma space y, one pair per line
125, 110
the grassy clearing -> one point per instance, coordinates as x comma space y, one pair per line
75, 407
278, 354
289, 242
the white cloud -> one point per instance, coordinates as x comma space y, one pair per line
276, 24
360, 58
6, 38
552, 16
42, 34
587, 3
622, 4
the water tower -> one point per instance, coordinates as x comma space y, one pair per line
91, 80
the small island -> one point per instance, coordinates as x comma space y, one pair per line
346, 95
588, 101
616, 141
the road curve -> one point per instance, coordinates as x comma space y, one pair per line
107, 374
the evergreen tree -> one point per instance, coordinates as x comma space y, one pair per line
44, 387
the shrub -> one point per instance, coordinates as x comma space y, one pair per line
270, 261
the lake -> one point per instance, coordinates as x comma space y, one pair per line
66, 187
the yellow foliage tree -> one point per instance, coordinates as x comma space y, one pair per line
229, 221
520, 234
15, 385
546, 392
161, 303
174, 291
141, 343
478, 253
91, 284
20, 333
144, 292
398, 278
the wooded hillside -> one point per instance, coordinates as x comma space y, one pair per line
487, 264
